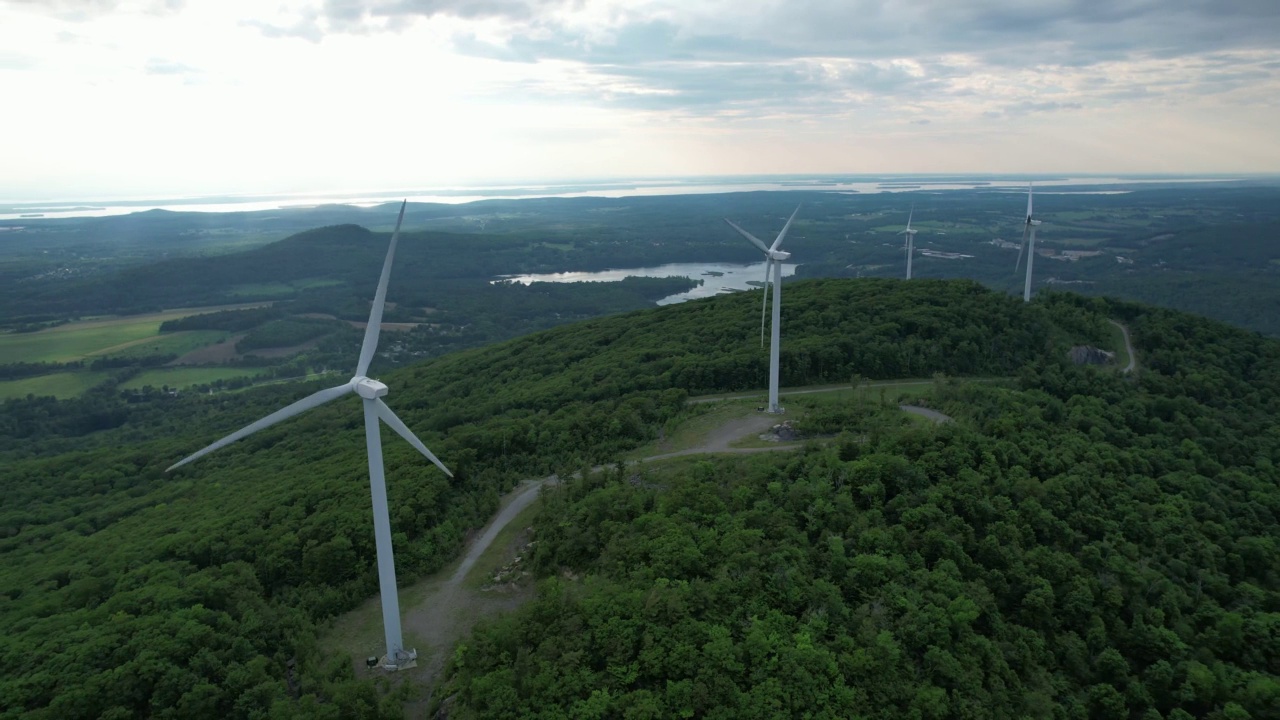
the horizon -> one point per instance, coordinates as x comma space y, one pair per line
840, 183
131, 98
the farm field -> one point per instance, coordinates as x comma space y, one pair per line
182, 377
60, 385
283, 289
132, 334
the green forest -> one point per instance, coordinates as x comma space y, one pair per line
1080, 543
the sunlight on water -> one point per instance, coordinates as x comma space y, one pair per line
731, 277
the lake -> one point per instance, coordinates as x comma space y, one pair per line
730, 277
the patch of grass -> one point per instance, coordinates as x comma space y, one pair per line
914, 419
271, 289
691, 430
499, 553
177, 343
308, 283
76, 341
96, 337
181, 377
358, 633
60, 385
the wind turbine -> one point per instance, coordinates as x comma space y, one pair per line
371, 392
1029, 229
910, 240
773, 261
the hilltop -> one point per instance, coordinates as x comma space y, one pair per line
130, 592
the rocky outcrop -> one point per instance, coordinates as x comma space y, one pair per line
1090, 355
783, 432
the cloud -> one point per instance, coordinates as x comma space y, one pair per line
1027, 107
1003, 32
735, 56
85, 10
157, 66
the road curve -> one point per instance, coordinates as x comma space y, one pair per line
1128, 345
500, 521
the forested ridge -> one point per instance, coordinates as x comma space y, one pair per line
131, 593
128, 592
1085, 545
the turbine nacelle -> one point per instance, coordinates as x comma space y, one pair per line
368, 388
778, 255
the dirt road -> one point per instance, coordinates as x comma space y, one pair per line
1128, 346
450, 610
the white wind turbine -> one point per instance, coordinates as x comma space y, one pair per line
910, 240
370, 391
1028, 230
773, 261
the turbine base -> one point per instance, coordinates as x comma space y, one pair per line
408, 659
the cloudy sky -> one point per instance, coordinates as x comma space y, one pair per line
120, 98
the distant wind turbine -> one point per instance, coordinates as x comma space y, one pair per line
1028, 230
773, 261
910, 240
370, 391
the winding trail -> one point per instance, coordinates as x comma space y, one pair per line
448, 611
1128, 346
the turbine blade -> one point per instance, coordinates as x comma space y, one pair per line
785, 228
909, 216
370, 344
394, 423
306, 403
754, 240
764, 303
1025, 230
1028, 201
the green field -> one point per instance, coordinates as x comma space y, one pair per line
177, 343
281, 289
60, 385
181, 377
87, 339
272, 289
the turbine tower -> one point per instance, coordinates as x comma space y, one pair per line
1028, 230
773, 261
910, 239
371, 393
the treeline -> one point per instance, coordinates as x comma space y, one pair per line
226, 320
14, 371
286, 332
1086, 545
